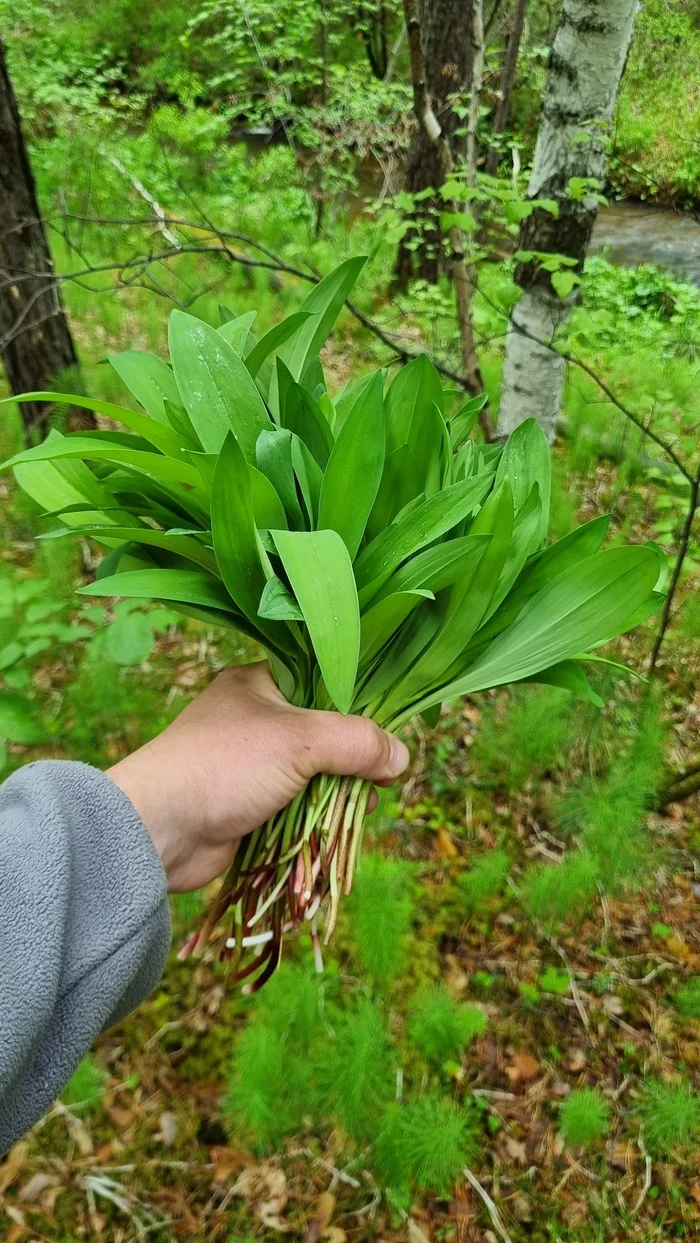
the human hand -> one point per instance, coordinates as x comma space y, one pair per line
235, 756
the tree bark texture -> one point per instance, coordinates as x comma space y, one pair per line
446, 35
35, 341
501, 114
586, 64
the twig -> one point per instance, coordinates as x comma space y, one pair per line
146, 194
647, 1175
492, 1210
681, 555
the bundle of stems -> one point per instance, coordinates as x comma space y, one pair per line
384, 559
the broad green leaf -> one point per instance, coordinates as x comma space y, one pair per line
427, 522
129, 640
413, 639
237, 330
526, 460
380, 623
589, 602
277, 602
149, 379
273, 453
10, 654
411, 393
569, 676
303, 416
352, 476
438, 567
182, 545
323, 305
215, 386
525, 539
180, 421
401, 482
462, 424
154, 465
352, 393
273, 339
242, 563
180, 586
159, 435
267, 506
319, 569
18, 721
309, 477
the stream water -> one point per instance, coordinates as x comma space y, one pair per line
627, 233
632, 233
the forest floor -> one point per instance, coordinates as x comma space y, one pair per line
589, 1006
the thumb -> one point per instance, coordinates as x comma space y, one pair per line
353, 746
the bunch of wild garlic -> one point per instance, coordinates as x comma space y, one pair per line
384, 559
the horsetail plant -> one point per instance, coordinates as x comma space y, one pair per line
384, 559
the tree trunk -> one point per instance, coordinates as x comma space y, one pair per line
35, 341
446, 35
585, 68
501, 113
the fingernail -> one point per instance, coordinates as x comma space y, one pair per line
399, 756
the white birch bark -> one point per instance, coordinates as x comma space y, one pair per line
588, 57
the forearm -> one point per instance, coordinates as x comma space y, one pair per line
85, 927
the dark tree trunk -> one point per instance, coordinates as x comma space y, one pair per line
35, 341
501, 113
446, 33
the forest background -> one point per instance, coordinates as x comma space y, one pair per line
504, 1043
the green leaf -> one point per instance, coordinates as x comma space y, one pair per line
411, 394
162, 437
309, 477
18, 721
10, 654
273, 339
242, 562
563, 282
380, 623
215, 386
149, 379
587, 603
352, 476
319, 569
438, 567
154, 465
237, 330
425, 523
323, 305
303, 416
180, 586
181, 545
464, 421
273, 453
277, 602
526, 460
129, 640
401, 482
352, 393
569, 676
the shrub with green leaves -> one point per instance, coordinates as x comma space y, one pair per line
554, 893
384, 559
670, 1116
585, 1117
441, 1027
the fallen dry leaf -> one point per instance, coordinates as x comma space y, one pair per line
168, 1128
523, 1067
265, 1187
16, 1161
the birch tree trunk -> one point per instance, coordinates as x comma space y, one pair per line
586, 64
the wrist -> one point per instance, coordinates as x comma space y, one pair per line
162, 807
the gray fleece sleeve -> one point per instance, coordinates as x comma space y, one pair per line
84, 927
